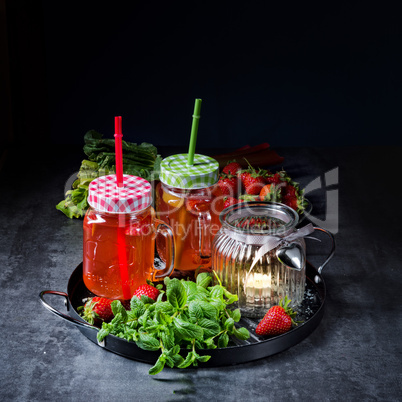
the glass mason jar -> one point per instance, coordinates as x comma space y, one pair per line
189, 200
120, 228
243, 264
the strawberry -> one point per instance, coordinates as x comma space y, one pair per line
270, 192
275, 178
277, 320
97, 309
231, 168
228, 201
198, 204
148, 290
252, 181
228, 184
290, 191
241, 174
291, 201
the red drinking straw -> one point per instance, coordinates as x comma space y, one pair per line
118, 150
121, 239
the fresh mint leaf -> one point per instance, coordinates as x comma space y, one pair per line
201, 290
132, 316
190, 288
190, 359
203, 279
195, 311
143, 320
229, 324
235, 314
218, 303
209, 343
117, 308
200, 294
208, 309
178, 360
176, 293
173, 357
162, 318
130, 335
102, 334
159, 365
147, 342
223, 340
241, 333
170, 361
138, 305
174, 350
203, 358
147, 300
188, 330
165, 307
210, 328
168, 338
230, 297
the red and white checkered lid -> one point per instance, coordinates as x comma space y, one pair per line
104, 195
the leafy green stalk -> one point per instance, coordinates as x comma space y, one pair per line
138, 160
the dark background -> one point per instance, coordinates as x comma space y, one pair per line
290, 75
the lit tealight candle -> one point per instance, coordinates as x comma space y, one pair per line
258, 285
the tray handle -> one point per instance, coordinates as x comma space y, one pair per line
331, 253
60, 314
317, 278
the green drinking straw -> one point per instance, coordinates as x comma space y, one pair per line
194, 131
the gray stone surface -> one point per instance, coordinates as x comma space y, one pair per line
354, 354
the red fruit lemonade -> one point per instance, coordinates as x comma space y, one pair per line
194, 218
119, 237
101, 252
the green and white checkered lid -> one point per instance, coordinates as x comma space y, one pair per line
176, 173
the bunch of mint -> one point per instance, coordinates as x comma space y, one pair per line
193, 316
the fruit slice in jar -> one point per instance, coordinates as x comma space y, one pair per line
172, 200
197, 205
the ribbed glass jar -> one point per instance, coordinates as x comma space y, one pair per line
259, 282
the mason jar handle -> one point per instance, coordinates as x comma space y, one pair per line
161, 228
204, 225
331, 254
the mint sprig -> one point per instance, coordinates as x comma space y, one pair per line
194, 316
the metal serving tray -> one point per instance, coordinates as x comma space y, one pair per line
310, 312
